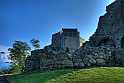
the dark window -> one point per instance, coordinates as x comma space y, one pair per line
65, 38
117, 39
74, 34
70, 34
65, 34
112, 24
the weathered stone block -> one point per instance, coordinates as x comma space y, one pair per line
81, 64
92, 61
76, 64
89, 56
100, 60
88, 64
101, 57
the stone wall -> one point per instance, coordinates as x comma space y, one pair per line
47, 59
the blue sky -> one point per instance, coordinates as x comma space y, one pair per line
26, 19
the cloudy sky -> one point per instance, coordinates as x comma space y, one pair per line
26, 19
3, 57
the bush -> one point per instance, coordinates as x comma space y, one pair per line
12, 70
68, 49
5, 71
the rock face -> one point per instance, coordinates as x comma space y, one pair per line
104, 48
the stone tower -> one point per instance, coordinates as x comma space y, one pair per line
68, 37
110, 31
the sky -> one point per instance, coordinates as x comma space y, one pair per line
3, 58
24, 20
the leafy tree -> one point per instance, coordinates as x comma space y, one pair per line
18, 54
68, 49
35, 43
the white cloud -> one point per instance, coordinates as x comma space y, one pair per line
4, 58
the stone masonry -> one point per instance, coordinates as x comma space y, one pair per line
110, 27
110, 31
68, 37
104, 48
47, 59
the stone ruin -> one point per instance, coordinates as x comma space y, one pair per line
110, 29
104, 48
67, 37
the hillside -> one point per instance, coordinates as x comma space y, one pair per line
91, 75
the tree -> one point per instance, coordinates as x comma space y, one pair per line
18, 54
35, 43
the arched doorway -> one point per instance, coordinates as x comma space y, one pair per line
107, 42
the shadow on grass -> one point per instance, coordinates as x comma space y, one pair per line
39, 77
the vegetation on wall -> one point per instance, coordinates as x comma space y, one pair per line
68, 49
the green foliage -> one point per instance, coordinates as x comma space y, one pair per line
18, 54
92, 75
68, 49
35, 43
12, 70
5, 71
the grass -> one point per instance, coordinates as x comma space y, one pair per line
91, 75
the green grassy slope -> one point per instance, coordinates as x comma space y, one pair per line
92, 75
